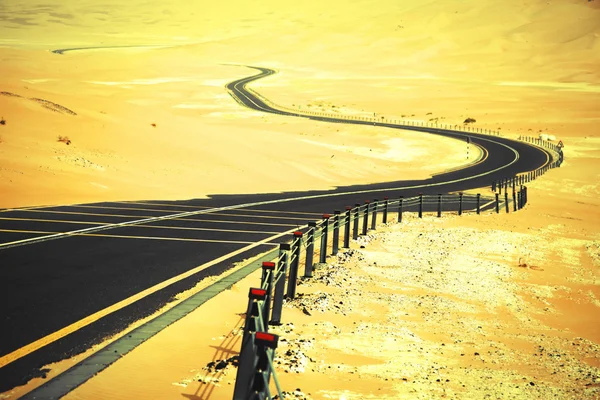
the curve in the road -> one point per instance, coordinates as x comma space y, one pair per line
243, 95
106, 260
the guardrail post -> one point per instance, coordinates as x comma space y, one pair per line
497, 203
366, 218
265, 343
460, 203
246, 371
336, 232
514, 200
295, 261
266, 281
310, 248
324, 230
506, 186
400, 206
347, 227
520, 198
493, 186
525, 194
506, 200
356, 213
385, 209
478, 203
374, 217
280, 274
501, 183
420, 205
439, 206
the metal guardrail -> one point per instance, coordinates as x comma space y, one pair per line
258, 346
518, 181
280, 276
373, 119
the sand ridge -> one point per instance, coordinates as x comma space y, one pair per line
522, 68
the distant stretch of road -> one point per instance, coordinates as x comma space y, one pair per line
73, 275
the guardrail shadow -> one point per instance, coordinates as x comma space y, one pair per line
224, 352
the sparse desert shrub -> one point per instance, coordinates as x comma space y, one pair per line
2, 121
469, 121
154, 125
64, 139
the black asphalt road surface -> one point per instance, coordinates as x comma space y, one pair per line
47, 285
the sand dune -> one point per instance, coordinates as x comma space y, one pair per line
520, 68
152, 122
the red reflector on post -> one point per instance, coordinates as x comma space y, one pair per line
385, 198
325, 216
268, 264
367, 201
254, 292
298, 233
267, 337
348, 208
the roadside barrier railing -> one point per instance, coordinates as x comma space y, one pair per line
318, 240
375, 119
504, 185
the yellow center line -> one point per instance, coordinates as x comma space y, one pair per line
131, 208
174, 219
31, 347
249, 210
203, 229
22, 208
55, 220
93, 214
152, 216
25, 231
232, 222
255, 216
165, 238
142, 237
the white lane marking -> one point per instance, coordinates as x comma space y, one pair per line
145, 237
259, 203
204, 229
233, 207
197, 207
58, 221
31, 347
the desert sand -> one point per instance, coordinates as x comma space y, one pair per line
488, 306
521, 68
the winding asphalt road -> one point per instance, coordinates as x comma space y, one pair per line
72, 275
